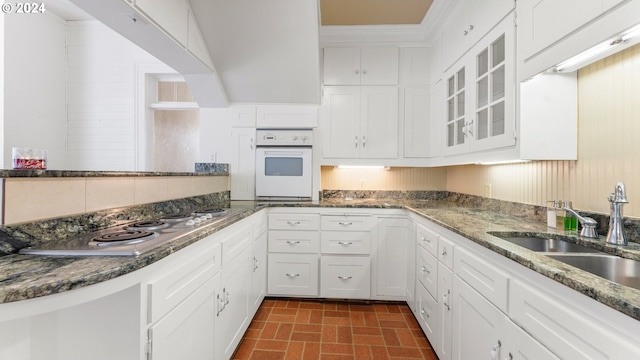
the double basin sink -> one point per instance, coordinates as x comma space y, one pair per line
611, 267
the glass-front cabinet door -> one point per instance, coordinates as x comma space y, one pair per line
456, 112
480, 108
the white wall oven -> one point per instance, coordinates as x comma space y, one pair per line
283, 164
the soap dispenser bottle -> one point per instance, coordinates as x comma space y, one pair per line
570, 220
560, 216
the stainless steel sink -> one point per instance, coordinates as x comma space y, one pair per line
548, 245
620, 270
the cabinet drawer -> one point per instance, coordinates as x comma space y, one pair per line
294, 241
489, 281
445, 251
234, 241
565, 329
167, 291
345, 242
345, 277
294, 221
346, 223
427, 239
293, 274
427, 314
427, 271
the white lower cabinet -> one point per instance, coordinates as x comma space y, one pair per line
186, 332
345, 277
259, 271
522, 346
445, 316
293, 274
394, 238
232, 304
477, 324
427, 314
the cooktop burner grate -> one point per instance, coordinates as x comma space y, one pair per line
124, 235
150, 225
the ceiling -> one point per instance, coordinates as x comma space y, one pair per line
373, 12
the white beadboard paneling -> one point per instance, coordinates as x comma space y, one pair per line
401, 179
608, 147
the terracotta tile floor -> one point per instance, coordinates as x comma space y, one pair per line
313, 329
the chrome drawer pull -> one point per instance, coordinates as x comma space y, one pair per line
293, 242
425, 239
344, 277
293, 222
345, 243
425, 270
292, 275
345, 223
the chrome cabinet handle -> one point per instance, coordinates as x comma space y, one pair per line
220, 305
255, 264
293, 222
345, 243
356, 142
356, 71
345, 223
425, 313
293, 242
344, 277
364, 72
292, 275
425, 270
444, 252
495, 349
425, 239
364, 141
445, 300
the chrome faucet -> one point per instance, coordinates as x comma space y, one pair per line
588, 224
616, 224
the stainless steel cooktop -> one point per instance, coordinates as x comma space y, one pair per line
135, 238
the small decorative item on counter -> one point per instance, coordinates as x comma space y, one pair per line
551, 213
29, 158
570, 220
560, 216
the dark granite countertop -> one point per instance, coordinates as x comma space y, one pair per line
32, 173
25, 277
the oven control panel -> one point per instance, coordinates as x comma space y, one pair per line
284, 137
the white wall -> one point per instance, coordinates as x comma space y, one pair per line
34, 86
102, 131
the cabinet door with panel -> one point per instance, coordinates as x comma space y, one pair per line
259, 272
243, 164
478, 326
361, 66
293, 274
417, 122
186, 332
233, 303
394, 239
444, 341
360, 122
480, 95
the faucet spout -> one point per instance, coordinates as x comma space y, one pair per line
616, 223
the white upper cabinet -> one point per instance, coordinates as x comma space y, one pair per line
480, 106
361, 66
468, 24
360, 122
415, 66
548, 36
416, 122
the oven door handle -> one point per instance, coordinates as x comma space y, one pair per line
283, 153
